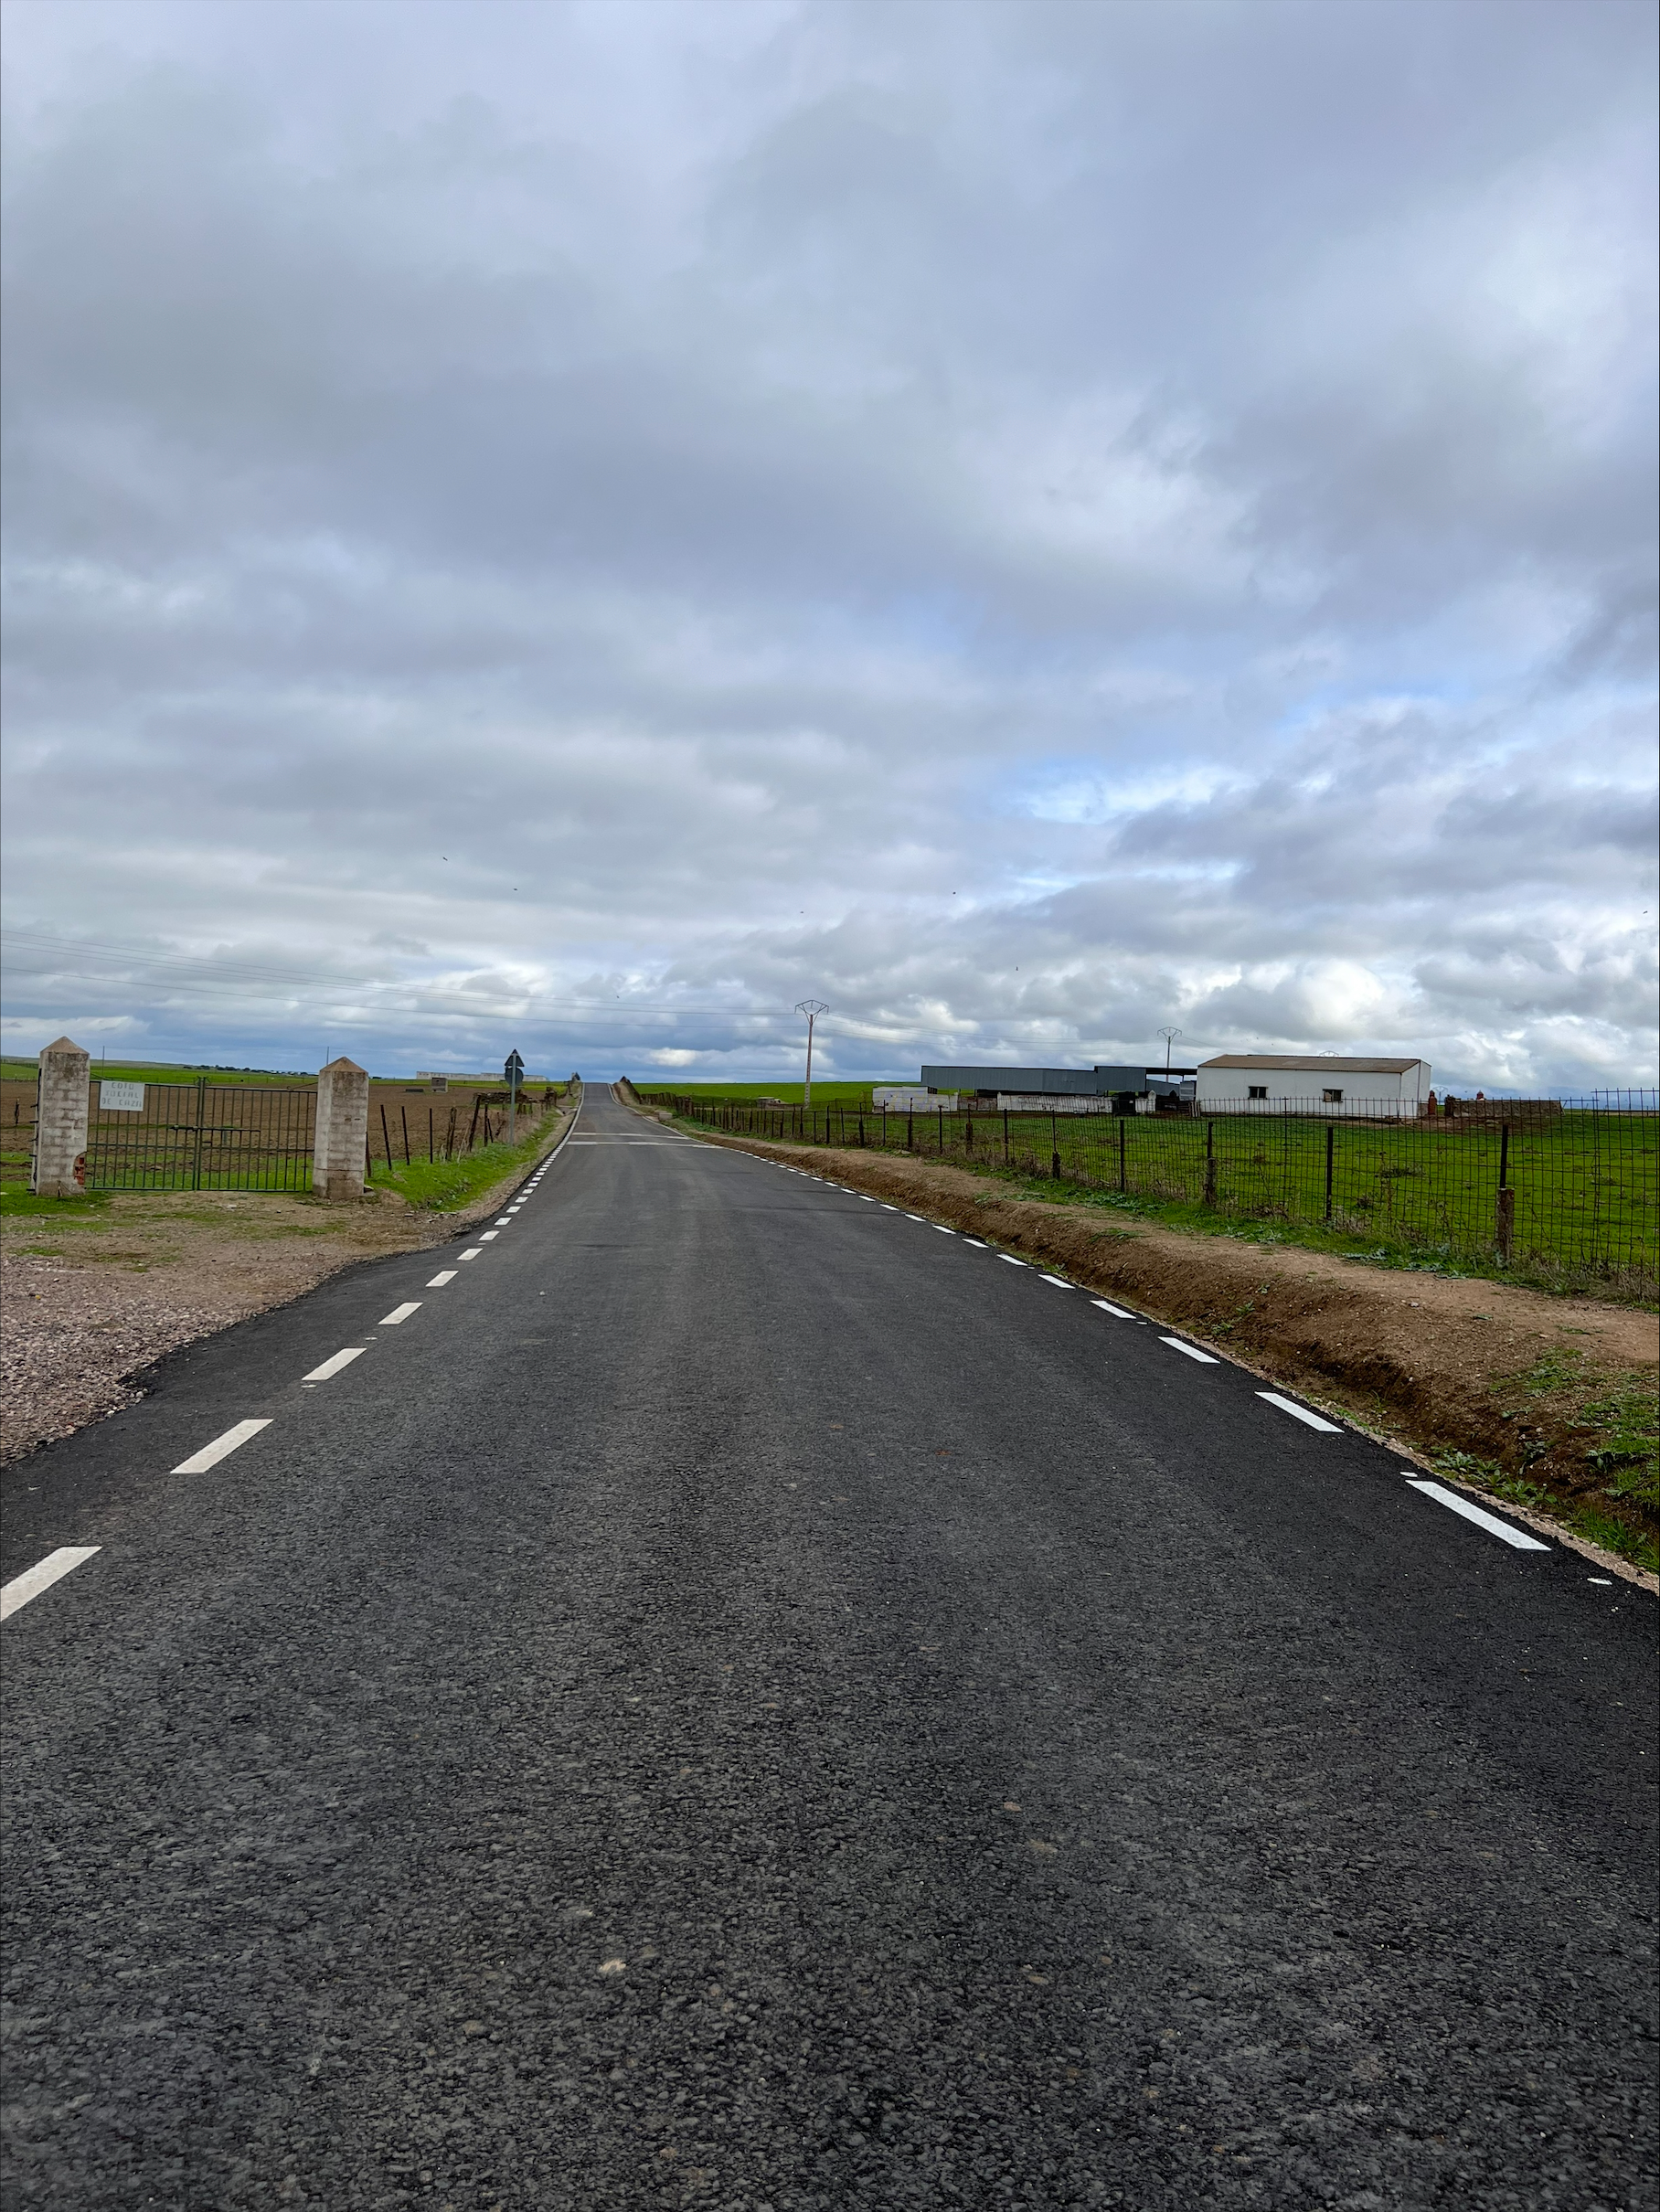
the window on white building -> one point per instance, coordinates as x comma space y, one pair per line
1331, 1097
1256, 1091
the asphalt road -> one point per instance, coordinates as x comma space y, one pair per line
745, 1699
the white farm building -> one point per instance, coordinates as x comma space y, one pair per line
1282, 1082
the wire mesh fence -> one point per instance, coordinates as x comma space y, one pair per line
201, 1136
1560, 1194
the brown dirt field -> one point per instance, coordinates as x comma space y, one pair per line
1427, 1364
89, 1300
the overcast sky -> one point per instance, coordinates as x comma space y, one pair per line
576, 526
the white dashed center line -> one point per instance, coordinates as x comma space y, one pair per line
398, 1313
1300, 1413
444, 1275
223, 1446
1192, 1351
1489, 1521
52, 1569
322, 1374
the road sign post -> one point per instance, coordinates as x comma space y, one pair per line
514, 1070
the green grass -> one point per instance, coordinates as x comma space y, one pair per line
58, 1213
1423, 1196
852, 1095
1625, 1539
444, 1185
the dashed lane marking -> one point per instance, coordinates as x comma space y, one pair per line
943, 1229
443, 1275
43, 1574
400, 1312
1300, 1413
334, 1366
1489, 1521
232, 1441
1010, 1260
977, 1242
1117, 1312
489, 1235
504, 1220
473, 1254
1060, 1281
1192, 1351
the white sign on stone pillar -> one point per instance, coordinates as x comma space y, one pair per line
342, 1130
60, 1120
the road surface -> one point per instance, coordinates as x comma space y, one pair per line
741, 1698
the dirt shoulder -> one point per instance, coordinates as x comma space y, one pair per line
92, 1294
1530, 1398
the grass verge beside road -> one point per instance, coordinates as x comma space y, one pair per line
447, 1187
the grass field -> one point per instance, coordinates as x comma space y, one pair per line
824, 1094
1580, 1212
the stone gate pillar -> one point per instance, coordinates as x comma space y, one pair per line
61, 1121
342, 1130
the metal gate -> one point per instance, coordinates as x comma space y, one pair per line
200, 1136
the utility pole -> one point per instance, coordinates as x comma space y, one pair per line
1169, 1037
811, 1008
513, 1070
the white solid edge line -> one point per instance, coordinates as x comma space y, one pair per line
400, 1312
1192, 1351
329, 1366
1010, 1260
444, 1275
1489, 1521
474, 1254
43, 1574
1300, 1413
221, 1447
1060, 1281
1117, 1312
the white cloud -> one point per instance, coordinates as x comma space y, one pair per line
1026, 522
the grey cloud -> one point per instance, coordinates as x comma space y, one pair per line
720, 488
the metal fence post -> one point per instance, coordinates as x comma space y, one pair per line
1210, 1163
1124, 1180
201, 1108
1331, 1138
1055, 1147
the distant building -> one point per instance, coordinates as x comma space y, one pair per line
1320, 1084
1064, 1090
